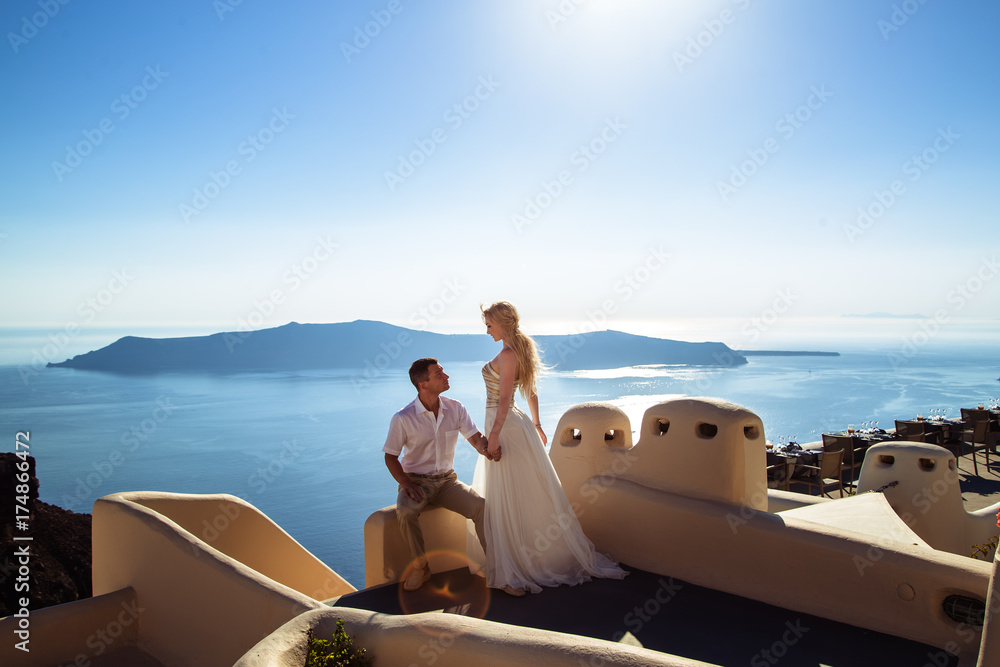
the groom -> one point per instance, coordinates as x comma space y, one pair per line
426, 432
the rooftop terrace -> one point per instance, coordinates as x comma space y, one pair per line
662, 614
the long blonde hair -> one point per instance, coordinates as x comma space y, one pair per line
505, 316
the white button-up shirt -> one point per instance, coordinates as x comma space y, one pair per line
428, 444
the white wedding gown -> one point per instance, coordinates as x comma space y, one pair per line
533, 537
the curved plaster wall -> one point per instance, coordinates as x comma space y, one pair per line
386, 554
674, 504
449, 640
199, 606
240, 530
921, 483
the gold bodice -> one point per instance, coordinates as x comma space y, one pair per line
492, 379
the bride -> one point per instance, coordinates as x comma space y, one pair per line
533, 538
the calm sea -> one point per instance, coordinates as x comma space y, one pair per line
305, 447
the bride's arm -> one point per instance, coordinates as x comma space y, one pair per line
533, 406
508, 371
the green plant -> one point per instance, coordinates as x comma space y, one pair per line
338, 652
991, 544
984, 549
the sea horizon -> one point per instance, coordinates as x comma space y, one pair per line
36, 346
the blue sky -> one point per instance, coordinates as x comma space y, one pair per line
214, 165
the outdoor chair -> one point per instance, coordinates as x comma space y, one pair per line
827, 473
976, 436
915, 431
920, 431
976, 415
780, 474
852, 455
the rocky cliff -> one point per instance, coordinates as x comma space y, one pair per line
59, 553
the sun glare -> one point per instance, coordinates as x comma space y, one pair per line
618, 38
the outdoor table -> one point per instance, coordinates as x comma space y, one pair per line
799, 457
862, 441
866, 439
949, 430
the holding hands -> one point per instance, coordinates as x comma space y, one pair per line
490, 450
493, 452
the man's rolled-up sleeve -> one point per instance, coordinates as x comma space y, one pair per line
466, 426
396, 439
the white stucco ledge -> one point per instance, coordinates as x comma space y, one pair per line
387, 556
448, 640
76, 632
201, 563
921, 483
868, 513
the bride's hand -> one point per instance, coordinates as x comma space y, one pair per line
541, 434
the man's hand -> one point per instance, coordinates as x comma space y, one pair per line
490, 456
410, 490
413, 492
482, 445
494, 452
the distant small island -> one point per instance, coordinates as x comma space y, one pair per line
887, 316
786, 353
370, 345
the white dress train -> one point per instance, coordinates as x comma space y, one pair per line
533, 537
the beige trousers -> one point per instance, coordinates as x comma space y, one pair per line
444, 491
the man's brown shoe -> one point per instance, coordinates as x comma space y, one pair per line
417, 578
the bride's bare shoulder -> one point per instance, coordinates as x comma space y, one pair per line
505, 359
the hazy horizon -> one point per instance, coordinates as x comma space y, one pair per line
910, 336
